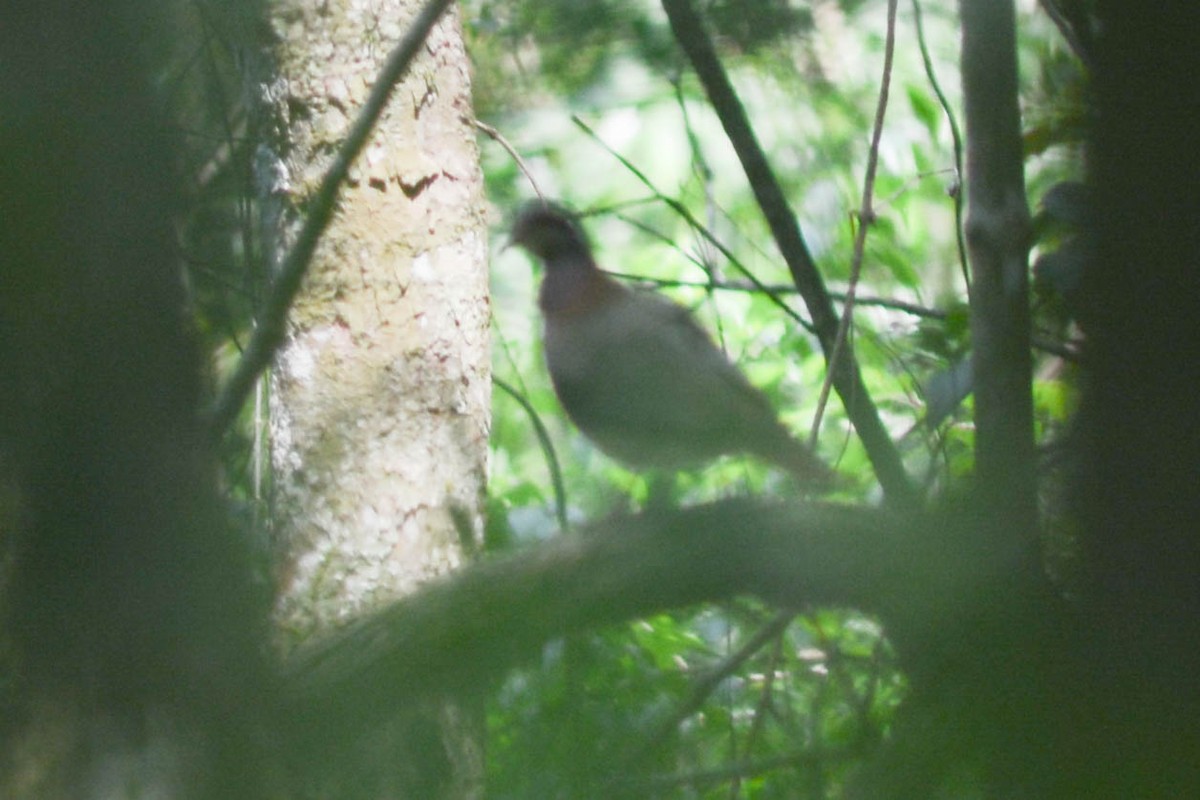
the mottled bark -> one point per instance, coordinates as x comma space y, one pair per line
380, 396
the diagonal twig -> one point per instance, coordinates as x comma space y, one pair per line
866, 218
271, 325
543, 436
687, 216
847, 380
665, 728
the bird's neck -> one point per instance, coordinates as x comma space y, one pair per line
574, 285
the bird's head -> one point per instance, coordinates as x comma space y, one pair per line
549, 232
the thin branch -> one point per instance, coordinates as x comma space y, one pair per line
499, 139
272, 324
860, 409
866, 218
1073, 23
762, 708
955, 136
1064, 350
751, 284
700, 166
662, 732
560, 493
682, 210
891, 303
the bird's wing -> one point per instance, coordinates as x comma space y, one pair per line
723, 398
715, 376
649, 386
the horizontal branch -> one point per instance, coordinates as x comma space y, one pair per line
468, 629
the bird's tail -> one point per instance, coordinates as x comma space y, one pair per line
803, 465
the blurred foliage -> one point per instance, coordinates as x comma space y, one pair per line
792, 717
198, 69
573, 47
588, 720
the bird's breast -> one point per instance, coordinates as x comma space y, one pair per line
577, 345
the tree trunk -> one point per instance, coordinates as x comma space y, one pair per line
380, 397
131, 630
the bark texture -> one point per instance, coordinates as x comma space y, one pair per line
380, 396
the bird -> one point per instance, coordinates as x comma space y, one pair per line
637, 374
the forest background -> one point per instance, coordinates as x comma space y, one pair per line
1001, 602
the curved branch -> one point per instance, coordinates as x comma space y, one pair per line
543, 437
955, 138
467, 629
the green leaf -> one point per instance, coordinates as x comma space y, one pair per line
926, 109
